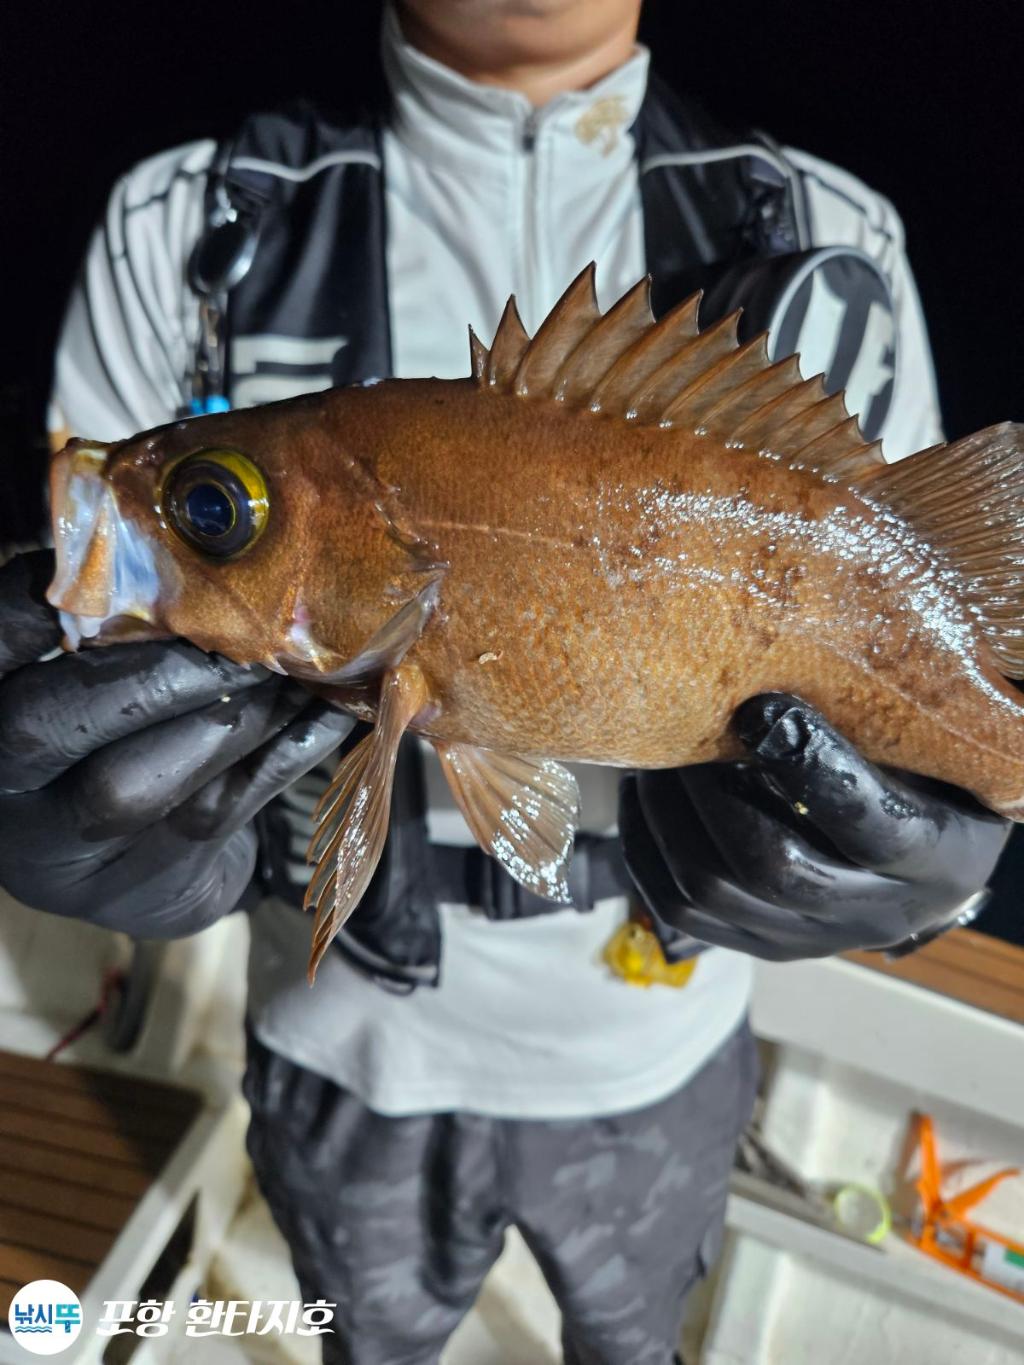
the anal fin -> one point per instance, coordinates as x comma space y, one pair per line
524, 812
353, 812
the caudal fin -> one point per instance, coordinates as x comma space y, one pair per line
967, 500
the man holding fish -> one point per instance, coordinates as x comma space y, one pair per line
471, 1055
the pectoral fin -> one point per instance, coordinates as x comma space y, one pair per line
353, 812
522, 811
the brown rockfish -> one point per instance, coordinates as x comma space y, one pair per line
594, 548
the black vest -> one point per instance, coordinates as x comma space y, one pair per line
710, 200
312, 187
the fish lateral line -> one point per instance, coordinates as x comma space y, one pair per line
508, 532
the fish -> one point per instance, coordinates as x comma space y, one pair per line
593, 548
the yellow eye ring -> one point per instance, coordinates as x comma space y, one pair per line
215, 500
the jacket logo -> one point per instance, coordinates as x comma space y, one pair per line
602, 123
840, 322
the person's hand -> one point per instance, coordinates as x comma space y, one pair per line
130, 774
805, 849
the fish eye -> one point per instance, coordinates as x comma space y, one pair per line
217, 501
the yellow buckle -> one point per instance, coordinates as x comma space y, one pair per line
634, 954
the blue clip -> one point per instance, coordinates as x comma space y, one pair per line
217, 402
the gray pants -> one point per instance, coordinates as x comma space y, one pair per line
398, 1220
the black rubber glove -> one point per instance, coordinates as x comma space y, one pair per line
806, 849
130, 775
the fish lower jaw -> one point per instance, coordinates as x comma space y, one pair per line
78, 628
102, 630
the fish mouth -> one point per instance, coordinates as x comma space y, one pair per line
105, 585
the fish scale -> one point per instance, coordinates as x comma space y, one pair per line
593, 549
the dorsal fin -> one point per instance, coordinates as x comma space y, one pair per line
668, 374
966, 501
775, 416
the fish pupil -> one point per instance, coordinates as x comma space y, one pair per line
210, 510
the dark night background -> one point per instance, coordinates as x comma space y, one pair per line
922, 101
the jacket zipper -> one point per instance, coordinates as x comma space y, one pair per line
529, 262
530, 131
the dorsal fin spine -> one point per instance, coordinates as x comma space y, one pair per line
735, 407
588, 363
858, 464
820, 418
671, 373
508, 347
778, 412
841, 440
573, 317
662, 386
691, 404
478, 357
641, 358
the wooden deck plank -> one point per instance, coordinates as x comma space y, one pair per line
78, 1149
105, 1209
54, 1236
978, 959
18, 1158
134, 1091
24, 1264
982, 971
67, 1107
60, 1138
8, 1289
972, 988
